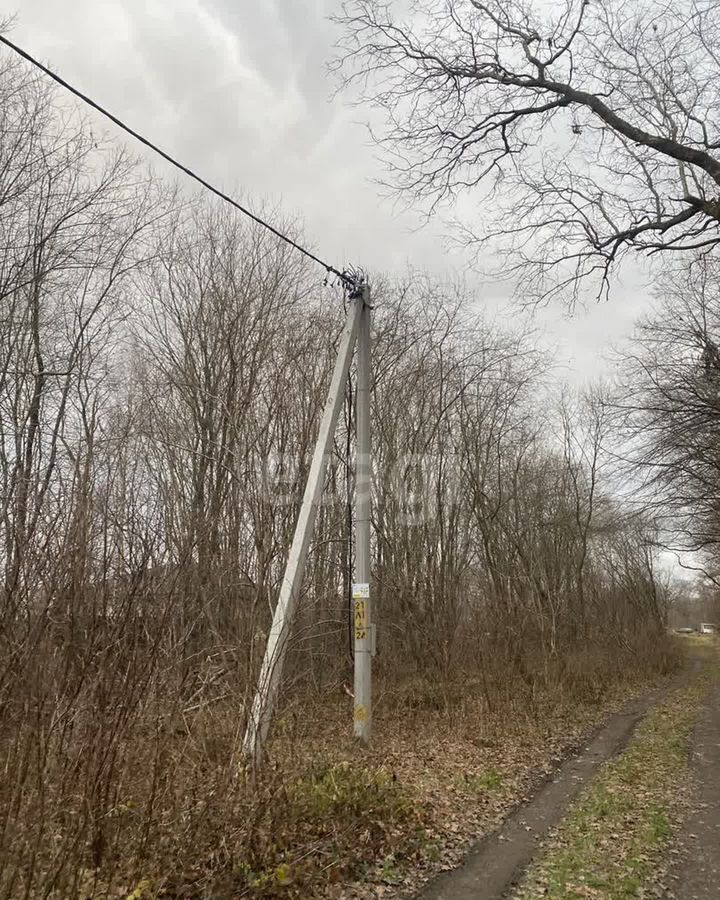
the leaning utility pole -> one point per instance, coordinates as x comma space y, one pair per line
363, 627
258, 725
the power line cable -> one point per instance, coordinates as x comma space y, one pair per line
346, 278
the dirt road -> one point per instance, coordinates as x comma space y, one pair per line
499, 860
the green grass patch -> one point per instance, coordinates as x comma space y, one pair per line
348, 790
484, 782
609, 845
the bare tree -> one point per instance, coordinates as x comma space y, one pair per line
584, 430
591, 127
669, 407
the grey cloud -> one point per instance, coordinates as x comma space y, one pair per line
239, 89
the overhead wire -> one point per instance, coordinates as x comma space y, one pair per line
347, 279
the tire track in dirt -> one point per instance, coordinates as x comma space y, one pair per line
696, 872
494, 867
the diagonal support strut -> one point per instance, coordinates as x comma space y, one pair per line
263, 706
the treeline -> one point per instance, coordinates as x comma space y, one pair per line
163, 366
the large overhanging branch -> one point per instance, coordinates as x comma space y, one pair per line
520, 100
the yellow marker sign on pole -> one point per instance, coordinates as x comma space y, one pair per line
361, 597
361, 620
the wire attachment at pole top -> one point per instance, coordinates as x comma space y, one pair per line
355, 282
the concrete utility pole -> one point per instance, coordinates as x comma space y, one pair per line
266, 694
363, 626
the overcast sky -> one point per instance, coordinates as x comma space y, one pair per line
238, 89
